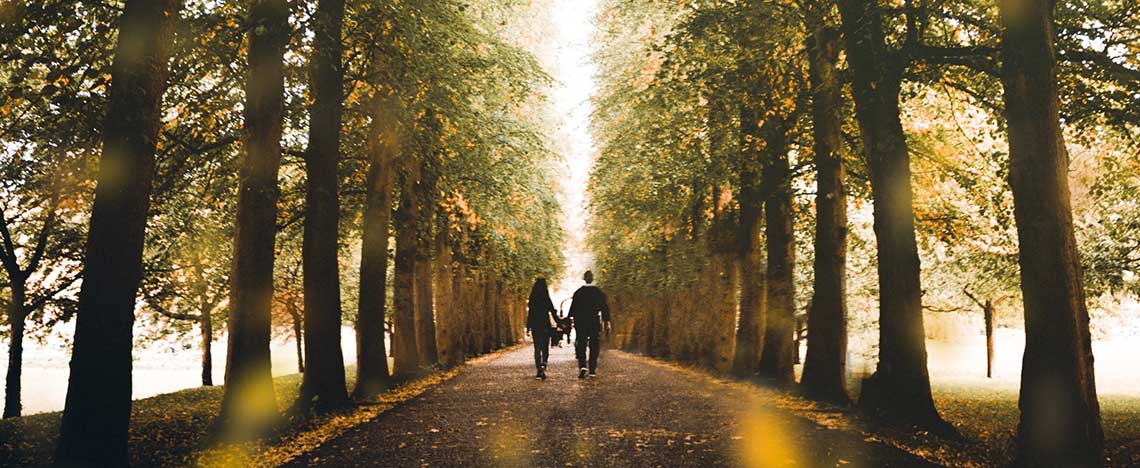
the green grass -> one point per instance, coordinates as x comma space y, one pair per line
173, 429
166, 430
989, 418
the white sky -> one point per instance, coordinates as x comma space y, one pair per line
574, 73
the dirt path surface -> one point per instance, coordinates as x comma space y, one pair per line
634, 414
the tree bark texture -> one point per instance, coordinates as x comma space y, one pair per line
778, 360
900, 387
1060, 416
93, 430
371, 355
825, 367
323, 384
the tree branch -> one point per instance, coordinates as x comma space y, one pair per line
45, 232
1119, 70
176, 316
8, 252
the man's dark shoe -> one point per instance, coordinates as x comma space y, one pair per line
542, 375
593, 373
581, 373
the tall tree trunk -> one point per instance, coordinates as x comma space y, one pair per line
206, 323
205, 320
450, 315
488, 314
16, 322
298, 337
471, 300
825, 368
425, 309
462, 310
323, 385
425, 312
500, 315
371, 356
777, 361
407, 359
98, 405
1060, 417
900, 387
988, 316
753, 301
249, 399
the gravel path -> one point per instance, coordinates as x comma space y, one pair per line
634, 414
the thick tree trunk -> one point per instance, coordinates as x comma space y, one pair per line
777, 362
448, 316
825, 369
407, 359
98, 405
425, 312
323, 385
249, 399
900, 387
1060, 417
501, 324
16, 323
471, 299
488, 329
753, 301
371, 355
425, 308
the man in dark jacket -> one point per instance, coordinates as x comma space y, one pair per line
588, 302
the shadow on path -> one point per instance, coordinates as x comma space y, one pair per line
634, 414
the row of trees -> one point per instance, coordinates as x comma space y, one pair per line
726, 127
242, 165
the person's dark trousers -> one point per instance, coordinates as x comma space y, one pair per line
541, 349
587, 344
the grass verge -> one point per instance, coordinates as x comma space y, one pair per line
173, 429
986, 417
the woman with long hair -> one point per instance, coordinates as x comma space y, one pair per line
540, 312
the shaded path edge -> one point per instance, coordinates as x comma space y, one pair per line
824, 415
322, 429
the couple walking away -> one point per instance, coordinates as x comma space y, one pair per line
586, 305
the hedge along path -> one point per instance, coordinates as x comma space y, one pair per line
320, 429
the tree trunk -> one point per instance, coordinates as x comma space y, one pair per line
97, 411
323, 385
777, 361
1060, 416
425, 308
299, 338
450, 315
407, 363
753, 301
488, 329
900, 387
371, 355
500, 315
425, 312
249, 399
16, 322
206, 323
988, 316
825, 367
471, 300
